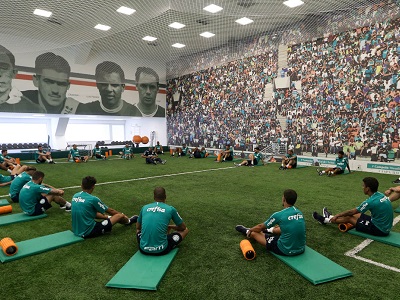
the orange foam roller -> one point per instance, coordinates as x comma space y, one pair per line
343, 227
106, 153
247, 250
8, 246
5, 209
109, 152
18, 160
219, 157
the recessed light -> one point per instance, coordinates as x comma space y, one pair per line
244, 21
177, 25
43, 13
212, 8
207, 34
102, 27
125, 10
178, 45
293, 3
149, 38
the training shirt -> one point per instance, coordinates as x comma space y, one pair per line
18, 182
96, 151
257, 156
84, 209
37, 153
203, 153
185, 150
126, 150
381, 211
158, 147
341, 163
155, 218
74, 153
1, 158
292, 240
30, 194
4, 179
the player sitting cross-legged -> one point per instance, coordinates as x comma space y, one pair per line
341, 163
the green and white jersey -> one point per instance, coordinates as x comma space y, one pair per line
97, 151
4, 179
84, 209
257, 157
203, 153
18, 183
159, 147
30, 194
185, 150
341, 163
381, 211
1, 158
127, 150
154, 218
37, 153
74, 153
292, 240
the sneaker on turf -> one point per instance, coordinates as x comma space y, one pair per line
133, 219
280, 168
397, 181
68, 209
326, 213
164, 162
320, 219
241, 229
236, 165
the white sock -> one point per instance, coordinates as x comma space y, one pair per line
67, 204
9, 171
48, 160
327, 220
270, 230
322, 172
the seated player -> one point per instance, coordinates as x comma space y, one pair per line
86, 208
7, 180
158, 149
253, 160
200, 153
380, 221
42, 156
289, 161
341, 163
19, 181
284, 232
7, 163
97, 153
152, 227
35, 198
183, 151
126, 152
225, 155
76, 156
152, 158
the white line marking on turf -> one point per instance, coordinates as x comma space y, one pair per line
353, 252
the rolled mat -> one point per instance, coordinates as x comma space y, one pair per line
5, 209
4, 202
8, 246
247, 250
344, 227
314, 267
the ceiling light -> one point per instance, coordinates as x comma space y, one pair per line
41, 12
125, 10
293, 3
207, 34
178, 45
176, 25
244, 21
102, 27
212, 8
149, 38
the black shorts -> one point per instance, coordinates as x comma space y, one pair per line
41, 206
39, 161
15, 198
272, 244
98, 156
365, 225
100, 228
183, 154
229, 158
173, 240
338, 171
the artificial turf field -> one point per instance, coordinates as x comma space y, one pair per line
211, 198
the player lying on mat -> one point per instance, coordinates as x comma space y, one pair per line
284, 233
380, 221
7, 180
86, 208
152, 227
341, 163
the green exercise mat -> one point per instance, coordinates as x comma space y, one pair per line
315, 267
392, 239
142, 272
4, 202
397, 210
19, 217
42, 244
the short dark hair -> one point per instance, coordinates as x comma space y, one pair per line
51, 61
159, 193
108, 67
37, 175
88, 182
290, 196
7, 52
341, 152
372, 183
146, 70
3, 150
30, 168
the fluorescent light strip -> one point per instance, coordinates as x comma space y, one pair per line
212, 8
149, 38
42, 13
126, 10
207, 34
102, 27
178, 45
293, 3
177, 25
244, 21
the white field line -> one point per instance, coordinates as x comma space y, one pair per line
353, 252
143, 178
